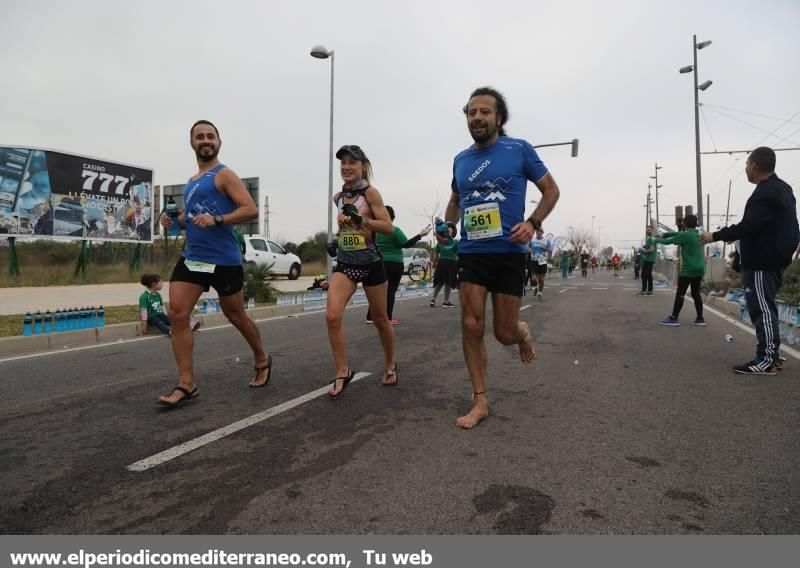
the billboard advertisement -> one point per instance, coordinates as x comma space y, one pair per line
44, 193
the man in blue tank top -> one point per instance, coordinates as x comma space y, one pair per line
215, 200
489, 186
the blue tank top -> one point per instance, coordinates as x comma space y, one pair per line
216, 245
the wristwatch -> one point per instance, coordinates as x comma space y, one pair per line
218, 220
535, 223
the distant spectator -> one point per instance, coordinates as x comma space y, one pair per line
152, 308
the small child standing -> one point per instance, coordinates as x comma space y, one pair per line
152, 309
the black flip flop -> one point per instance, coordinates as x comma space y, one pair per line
258, 372
346, 382
391, 373
187, 396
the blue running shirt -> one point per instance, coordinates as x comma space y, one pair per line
215, 245
539, 247
492, 183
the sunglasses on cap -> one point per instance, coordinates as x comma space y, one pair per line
352, 150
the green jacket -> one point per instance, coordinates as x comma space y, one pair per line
692, 259
391, 246
653, 256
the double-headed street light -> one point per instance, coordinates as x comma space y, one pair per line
321, 52
697, 89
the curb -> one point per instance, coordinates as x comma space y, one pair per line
21, 345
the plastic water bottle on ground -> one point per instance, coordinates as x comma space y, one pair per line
27, 325
729, 338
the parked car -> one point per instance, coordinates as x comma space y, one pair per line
416, 262
260, 250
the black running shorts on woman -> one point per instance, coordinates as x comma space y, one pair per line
367, 274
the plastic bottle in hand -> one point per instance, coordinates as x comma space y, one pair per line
445, 230
172, 212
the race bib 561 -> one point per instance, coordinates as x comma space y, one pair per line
483, 221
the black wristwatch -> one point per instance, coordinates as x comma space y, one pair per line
219, 220
535, 223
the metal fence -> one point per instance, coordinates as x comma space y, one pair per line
318, 299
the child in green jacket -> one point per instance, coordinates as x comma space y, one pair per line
692, 269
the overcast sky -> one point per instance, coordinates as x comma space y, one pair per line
125, 80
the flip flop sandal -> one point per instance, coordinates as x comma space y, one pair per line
187, 396
392, 373
346, 382
268, 367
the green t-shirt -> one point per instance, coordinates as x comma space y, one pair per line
391, 245
564, 259
448, 254
152, 302
692, 259
240, 241
653, 256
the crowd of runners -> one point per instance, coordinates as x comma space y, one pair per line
485, 246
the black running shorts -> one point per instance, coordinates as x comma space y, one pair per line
501, 273
226, 280
367, 274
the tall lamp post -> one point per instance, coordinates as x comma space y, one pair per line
321, 52
655, 177
697, 89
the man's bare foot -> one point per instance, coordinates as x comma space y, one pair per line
263, 374
480, 410
527, 352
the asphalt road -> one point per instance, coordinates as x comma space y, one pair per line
619, 426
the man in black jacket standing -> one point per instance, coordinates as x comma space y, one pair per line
768, 235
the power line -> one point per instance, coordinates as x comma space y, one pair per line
705, 119
757, 127
725, 173
750, 113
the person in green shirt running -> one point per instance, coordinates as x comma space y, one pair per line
649, 254
692, 269
446, 274
152, 308
391, 247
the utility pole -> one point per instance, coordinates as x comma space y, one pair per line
655, 177
708, 212
727, 214
266, 216
647, 219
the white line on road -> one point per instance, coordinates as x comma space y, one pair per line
599, 288
562, 291
750, 330
205, 439
525, 307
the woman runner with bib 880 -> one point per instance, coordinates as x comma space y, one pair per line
361, 215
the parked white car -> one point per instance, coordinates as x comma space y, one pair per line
260, 250
416, 262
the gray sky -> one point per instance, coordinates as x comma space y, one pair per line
125, 80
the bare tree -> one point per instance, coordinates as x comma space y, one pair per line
578, 238
431, 213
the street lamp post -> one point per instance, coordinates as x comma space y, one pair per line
655, 177
697, 89
321, 52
